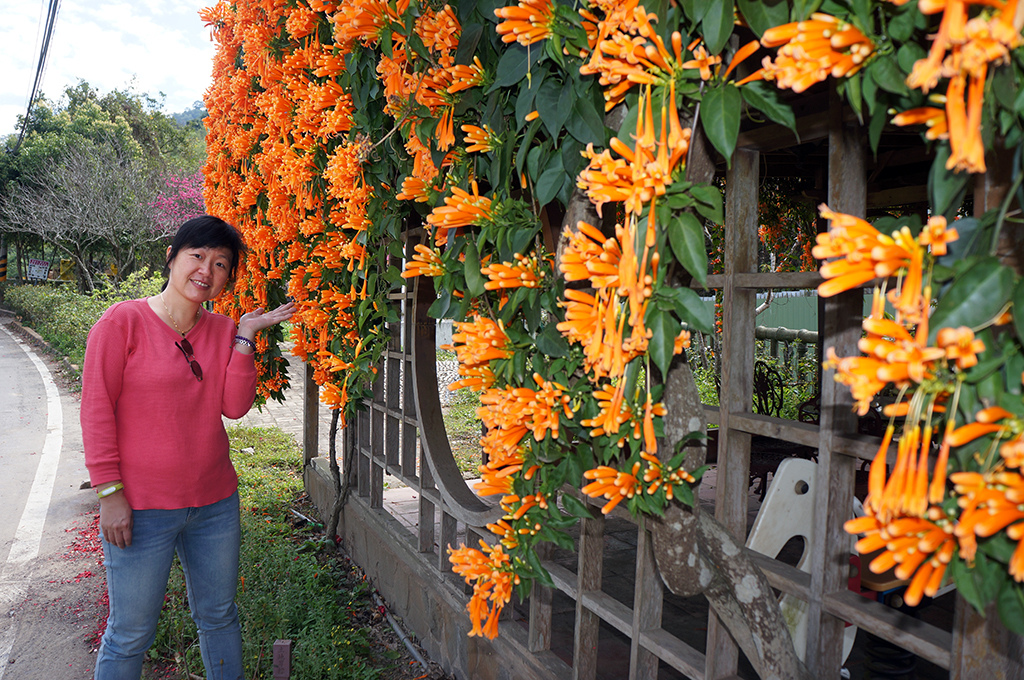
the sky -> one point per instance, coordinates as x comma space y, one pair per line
145, 46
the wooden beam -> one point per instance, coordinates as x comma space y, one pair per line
310, 416
914, 635
839, 328
805, 434
740, 255
648, 602
588, 579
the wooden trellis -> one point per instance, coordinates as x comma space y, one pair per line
402, 435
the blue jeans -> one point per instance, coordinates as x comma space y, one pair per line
207, 542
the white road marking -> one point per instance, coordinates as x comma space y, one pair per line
30, 529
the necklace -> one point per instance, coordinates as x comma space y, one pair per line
171, 316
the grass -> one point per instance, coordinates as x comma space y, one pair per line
290, 586
464, 433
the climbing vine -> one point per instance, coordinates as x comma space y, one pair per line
338, 129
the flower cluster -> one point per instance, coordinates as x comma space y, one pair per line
810, 51
335, 129
961, 52
913, 522
490, 572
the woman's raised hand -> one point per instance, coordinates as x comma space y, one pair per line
257, 320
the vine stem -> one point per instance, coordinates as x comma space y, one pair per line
1003, 208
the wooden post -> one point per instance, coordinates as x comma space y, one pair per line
737, 379
839, 328
983, 647
588, 578
648, 603
310, 417
540, 608
282, 659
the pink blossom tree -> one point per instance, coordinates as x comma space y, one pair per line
180, 199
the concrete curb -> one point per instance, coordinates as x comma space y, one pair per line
33, 337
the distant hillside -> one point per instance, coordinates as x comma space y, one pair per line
191, 116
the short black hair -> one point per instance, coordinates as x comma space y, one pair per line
207, 231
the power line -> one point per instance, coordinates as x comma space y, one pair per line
51, 20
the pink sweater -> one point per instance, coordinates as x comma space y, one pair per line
147, 421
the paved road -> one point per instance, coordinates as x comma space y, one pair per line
44, 608
50, 593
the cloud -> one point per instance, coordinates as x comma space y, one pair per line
147, 46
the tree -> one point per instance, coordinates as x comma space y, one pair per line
96, 198
88, 141
180, 198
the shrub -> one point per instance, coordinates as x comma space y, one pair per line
64, 317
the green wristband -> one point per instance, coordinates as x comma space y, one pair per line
113, 488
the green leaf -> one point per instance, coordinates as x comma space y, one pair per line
686, 236
539, 572
1014, 366
585, 123
516, 61
989, 576
554, 103
575, 507
965, 583
887, 74
717, 24
862, 10
1018, 102
1003, 86
901, 26
854, 96
664, 328
439, 307
709, 202
684, 494
691, 309
1010, 604
551, 343
975, 296
468, 41
524, 147
878, 121
764, 14
695, 10
474, 279
946, 188
869, 89
720, 118
527, 95
909, 53
768, 100
1018, 309
550, 181
804, 8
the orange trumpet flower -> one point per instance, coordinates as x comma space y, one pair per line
526, 23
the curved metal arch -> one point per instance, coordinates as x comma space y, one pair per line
463, 503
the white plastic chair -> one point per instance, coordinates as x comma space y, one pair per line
788, 511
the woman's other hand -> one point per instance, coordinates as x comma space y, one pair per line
255, 321
116, 519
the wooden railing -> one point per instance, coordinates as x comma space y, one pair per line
402, 435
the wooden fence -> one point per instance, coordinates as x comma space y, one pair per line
569, 631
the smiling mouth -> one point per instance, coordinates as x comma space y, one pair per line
201, 284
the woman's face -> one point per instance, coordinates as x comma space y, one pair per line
199, 274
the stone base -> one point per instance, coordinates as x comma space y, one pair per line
431, 604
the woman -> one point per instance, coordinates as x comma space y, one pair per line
159, 373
